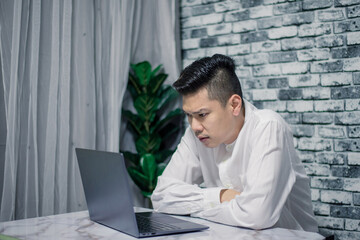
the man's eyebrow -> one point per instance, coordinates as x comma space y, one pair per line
196, 112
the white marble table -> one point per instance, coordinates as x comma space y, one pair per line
77, 225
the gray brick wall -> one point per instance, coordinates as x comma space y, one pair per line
301, 59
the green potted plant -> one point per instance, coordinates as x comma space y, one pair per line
154, 125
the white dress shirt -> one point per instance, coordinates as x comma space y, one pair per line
261, 164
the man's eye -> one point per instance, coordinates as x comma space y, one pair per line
203, 115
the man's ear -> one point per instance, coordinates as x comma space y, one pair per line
235, 102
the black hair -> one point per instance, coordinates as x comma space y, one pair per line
216, 74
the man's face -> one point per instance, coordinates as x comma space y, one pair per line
212, 123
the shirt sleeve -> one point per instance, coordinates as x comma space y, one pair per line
177, 190
268, 182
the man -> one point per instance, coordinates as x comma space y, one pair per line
235, 164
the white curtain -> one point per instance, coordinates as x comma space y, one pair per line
64, 65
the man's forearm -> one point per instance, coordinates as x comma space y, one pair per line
226, 195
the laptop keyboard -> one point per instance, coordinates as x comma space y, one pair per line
146, 224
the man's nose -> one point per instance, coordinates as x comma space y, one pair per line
196, 126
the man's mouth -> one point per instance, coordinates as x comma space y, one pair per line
203, 138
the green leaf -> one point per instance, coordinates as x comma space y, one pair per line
143, 71
167, 95
148, 144
146, 194
153, 73
146, 107
134, 158
160, 169
134, 120
163, 155
140, 179
148, 166
171, 115
156, 82
133, 86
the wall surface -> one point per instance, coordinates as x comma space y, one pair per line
301, 59
2, 135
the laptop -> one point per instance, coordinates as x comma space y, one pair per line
109, 199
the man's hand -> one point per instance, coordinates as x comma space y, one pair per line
228, 194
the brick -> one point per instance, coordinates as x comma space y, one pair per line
321, 208
228, 40
345, 212
190, 44
191, 22
356, 78
244, 26
352, 184
341, 3
346, 171
277, 83
352, 64
326, 67
345, 92
316, 29
336, 197
315, 195
298, 18
185, 12
347, 52
194, 54
314, 144
329, 222
354, 159
241, 49
242, 72
306, 156
226, 6
354, 131
316, 93
257, 83
347, 26
303, 130
348, 118
336, 79
330, 41
356, 198
353, 38
202, 10
267, 2
251, 3
267, 46
286, 8
294, 68
271, 22
219, 29
283, 32
264, 94
292, 118
353, 11
327, 183
237, 16
266, 70
239, 60
318, 118
311, 4
297, 43
290, 94
304, 80
199, 32
331, 132
211, 18
346, 235
275, 106
313, 54
313, 169
255, 59
331, 158
261, 11
299, 106
331, 15
347, 145
352, 225
254, 37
